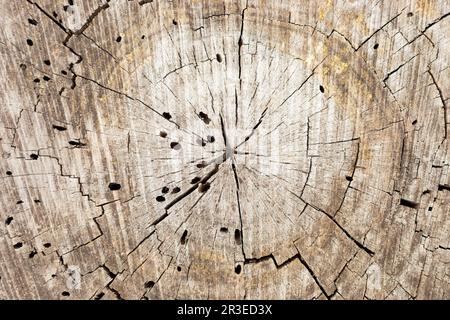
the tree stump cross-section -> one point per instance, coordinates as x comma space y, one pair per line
254, 149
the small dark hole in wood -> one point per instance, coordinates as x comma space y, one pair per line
34, 156
210, 139
143, 37
32, 21
176, 190
237, 237
37, 80
70, 2
18, 245
322, 89
46, 78
195, 180
163, 134
19, 202
59, 128
409, 203
175, 145
414, 122
184, 237
219, 58
32, 254
113, 186
165, 189
9, 220
29, 42
174, 22
204, 117
65, 293
409, 14
444, 187
118, 39
348, 178
47, 62
375, 46
167, 115
238, 269
76, 143
201, 164
430, 208
8, 173
47, 245
23, 66
160, 199
223, 229
149, 284
178, 268
37, 201
64, 72
55, 14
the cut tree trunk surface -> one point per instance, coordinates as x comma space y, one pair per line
225, 149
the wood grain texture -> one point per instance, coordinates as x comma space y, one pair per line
256, 149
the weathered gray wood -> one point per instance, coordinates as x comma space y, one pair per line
224, 149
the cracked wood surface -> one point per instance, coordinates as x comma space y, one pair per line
254, 149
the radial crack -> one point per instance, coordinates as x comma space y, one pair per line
240, 43
444, 104
311, 272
